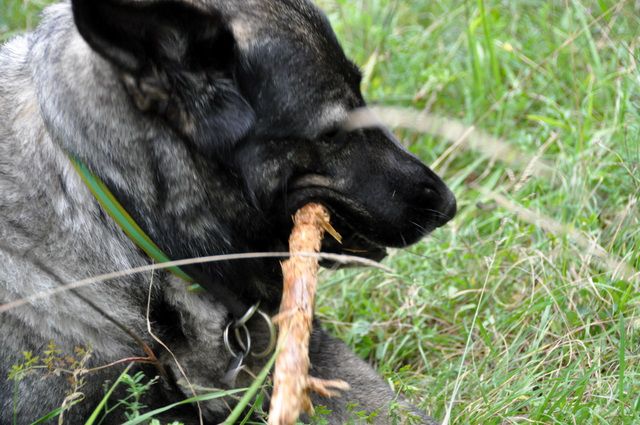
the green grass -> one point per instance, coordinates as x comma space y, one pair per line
514, 313
18, 15
510, 315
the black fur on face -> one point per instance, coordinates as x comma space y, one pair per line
261, 111
379, 194
299, 151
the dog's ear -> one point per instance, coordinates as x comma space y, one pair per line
176, 60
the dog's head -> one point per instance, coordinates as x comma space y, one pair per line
265, 85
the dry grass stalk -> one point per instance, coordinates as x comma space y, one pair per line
455, 132
291, 383
592, 250
338, 258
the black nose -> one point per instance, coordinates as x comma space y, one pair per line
451, 207
446, 206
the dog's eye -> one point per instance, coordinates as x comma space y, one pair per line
336, 135
331, 133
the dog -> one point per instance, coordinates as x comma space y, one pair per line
211, 122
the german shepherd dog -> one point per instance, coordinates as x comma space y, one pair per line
211, 122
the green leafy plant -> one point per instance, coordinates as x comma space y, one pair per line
52, 361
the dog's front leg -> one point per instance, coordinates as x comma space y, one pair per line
369, 395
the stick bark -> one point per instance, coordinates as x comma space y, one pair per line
292, 384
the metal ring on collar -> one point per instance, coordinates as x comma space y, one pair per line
245, 345
272, 336
247, 316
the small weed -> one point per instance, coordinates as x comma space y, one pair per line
136, 388
320, 417
53, 362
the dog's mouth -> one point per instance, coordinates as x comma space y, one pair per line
348, 218
352, 243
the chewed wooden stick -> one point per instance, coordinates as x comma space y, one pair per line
292, 384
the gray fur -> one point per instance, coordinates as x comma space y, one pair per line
58, 96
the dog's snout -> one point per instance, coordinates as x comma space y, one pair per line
442, 204
451, 206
